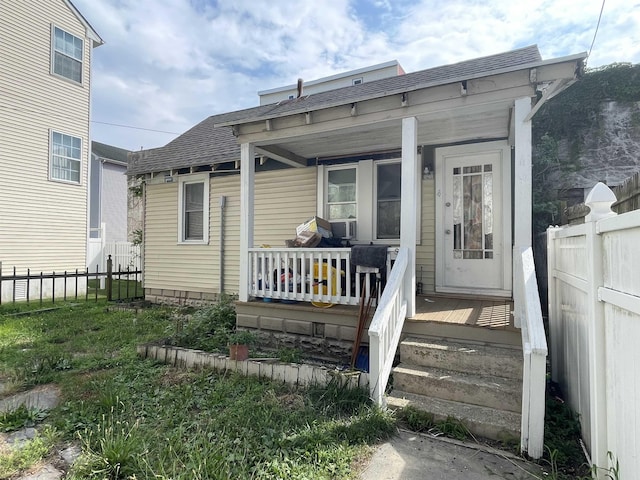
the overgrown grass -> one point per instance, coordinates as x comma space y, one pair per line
420, 421
138, 419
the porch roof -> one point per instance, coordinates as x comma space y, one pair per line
212, 142
476, 68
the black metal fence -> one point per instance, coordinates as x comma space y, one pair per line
118, 285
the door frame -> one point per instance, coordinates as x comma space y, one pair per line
504, 149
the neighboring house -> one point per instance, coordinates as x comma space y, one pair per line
450, 145
45, 93
346, 79
109, 193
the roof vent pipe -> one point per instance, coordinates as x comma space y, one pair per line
299, 87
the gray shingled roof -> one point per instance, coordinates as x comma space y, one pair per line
211, 141
109, 152
201, 145
478, 67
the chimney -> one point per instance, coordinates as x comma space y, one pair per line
299, 87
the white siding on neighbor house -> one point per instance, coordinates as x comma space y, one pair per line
283, 200
43, 224
114, 201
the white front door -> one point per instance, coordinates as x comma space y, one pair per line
473, 222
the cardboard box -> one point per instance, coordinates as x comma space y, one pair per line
315, 224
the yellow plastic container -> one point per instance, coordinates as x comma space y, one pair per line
321, 284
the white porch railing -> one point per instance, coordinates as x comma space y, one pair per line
386, 327
308, 274
528, 317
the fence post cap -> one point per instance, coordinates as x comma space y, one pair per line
599, 201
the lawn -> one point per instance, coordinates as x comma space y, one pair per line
137, 419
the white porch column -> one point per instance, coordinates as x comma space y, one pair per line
522, 201
409, 195
247, 179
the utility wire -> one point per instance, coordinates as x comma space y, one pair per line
596, 32
135, 128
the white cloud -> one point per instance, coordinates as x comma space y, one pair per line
168, 64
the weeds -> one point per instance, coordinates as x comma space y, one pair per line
420, 421
32, 451
21, 417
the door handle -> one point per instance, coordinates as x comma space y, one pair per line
448, 204
447, 231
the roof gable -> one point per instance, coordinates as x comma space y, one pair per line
90, 31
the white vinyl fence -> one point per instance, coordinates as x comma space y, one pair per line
125, 255
594, 320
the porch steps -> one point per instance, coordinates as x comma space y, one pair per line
478, 383
481, 421
506, 336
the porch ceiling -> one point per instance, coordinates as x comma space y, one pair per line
450, 126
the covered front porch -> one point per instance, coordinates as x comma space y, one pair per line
474, 122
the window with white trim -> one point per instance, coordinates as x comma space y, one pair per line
387, 196
65, 162
67, 54
341, 194
367, 192
193, 209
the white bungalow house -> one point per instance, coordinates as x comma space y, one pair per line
433, 167
45, 95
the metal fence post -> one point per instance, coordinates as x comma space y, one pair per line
109, 279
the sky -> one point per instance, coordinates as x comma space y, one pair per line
168, 64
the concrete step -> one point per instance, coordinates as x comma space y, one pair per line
456, 332
482, 421
475, 358
494, 392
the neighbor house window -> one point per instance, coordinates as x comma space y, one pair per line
65, 157
67, 55
193, 215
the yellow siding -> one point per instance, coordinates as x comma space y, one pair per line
425, 252
43, 224
283, 200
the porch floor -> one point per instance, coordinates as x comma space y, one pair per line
488, 313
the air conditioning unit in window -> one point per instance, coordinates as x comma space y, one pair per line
345, 229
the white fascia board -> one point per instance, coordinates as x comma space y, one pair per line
398, 91
90, 31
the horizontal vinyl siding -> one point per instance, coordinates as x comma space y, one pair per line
167, 264
42, 223
283, 200
425, 252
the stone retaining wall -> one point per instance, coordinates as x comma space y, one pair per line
291, 373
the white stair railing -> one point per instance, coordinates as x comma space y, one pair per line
386, 327
528, 317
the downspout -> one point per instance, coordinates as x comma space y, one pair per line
223, 201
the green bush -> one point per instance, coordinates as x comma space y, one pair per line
208, 328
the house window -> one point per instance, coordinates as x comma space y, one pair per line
341, 194
364, 197
67, 55
65, 157
193, 214
388, 200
